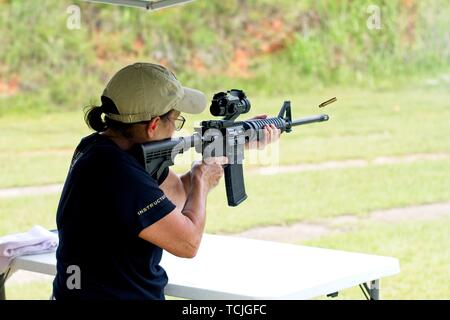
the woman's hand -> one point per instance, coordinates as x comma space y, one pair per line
268, 136
208, 172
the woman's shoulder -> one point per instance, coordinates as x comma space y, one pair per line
99, 153
94, 149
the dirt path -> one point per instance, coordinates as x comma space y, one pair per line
30, 191
356, 163
299, 232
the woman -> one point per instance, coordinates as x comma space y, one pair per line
113, 218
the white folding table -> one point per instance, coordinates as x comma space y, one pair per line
237, 268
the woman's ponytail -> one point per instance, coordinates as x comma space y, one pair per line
93, 118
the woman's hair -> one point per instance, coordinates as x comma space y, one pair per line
95, 120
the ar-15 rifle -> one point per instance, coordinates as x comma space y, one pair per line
225, 137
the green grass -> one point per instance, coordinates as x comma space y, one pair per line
41, 131
421, 247
285, 198
33, 169
36, 148
20, 214
363, 125
35, 290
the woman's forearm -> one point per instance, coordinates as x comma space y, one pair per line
186, 181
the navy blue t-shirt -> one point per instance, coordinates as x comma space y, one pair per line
107, 200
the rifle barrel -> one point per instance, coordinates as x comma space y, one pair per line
281, 123
310, 119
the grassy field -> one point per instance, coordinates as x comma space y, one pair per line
421, 247
306, 196
363, 125
36, 150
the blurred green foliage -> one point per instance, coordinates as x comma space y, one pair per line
270, 46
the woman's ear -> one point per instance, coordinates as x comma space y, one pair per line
152, 126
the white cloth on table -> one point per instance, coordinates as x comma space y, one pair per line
36, 240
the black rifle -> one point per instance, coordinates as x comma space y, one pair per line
225, 137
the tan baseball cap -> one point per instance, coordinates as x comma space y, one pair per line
142, 91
